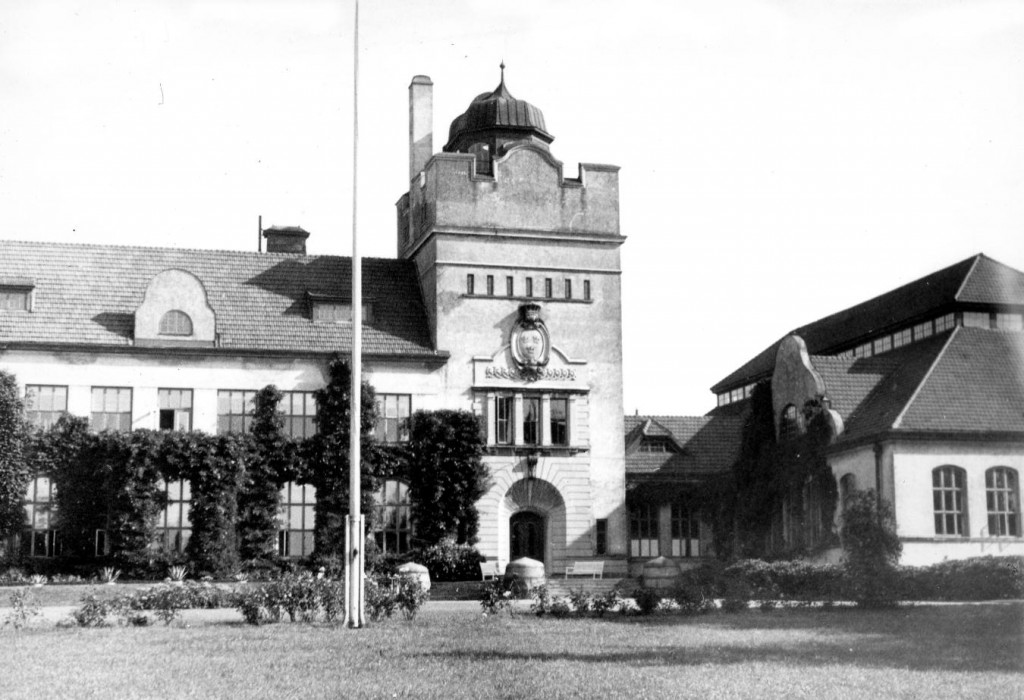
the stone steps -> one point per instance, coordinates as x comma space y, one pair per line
564, 586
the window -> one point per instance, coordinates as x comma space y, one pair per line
944, 323
174, 524
40, 539
510, 287
736, 395
977, 319
339, 312
13, 299
175, 409
643, 531
234, 410
531, 421
503, 412
470, 284
44, 405
548, 288
559, 421
922, 330
653, 446
298, 408
586, 290
529, 286
601, 536
1009, 322
723, 399
568, 289
1003, 501
393, 518
949, 498
685, 532
883, 344
862, 350
789, 423
111, 408
297, 520
490, 285
175, 323
393, 412
902, 338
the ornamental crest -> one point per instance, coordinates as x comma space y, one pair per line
530, 343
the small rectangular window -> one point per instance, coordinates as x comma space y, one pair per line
548, 288
902, 338
559, 421
601, 536
977, 319
175, 409
568, 289
586, 290
14, 299
883, 344
944, 323
503, 423
529, 286
470, 284
1009, 322
510, 288
922, 330
490, 285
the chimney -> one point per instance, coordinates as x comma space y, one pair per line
286, 239
421, 128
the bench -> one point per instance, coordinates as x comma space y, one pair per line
491, 569
585, 568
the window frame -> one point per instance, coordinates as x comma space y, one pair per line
124, 416
176, 324
225, 419
392, 522
174, 524
685, 531
40, 542
296, 499
1002, 501
397, 424
169, 416
40, 417
949, 501
643, 520
470, 284
292, 419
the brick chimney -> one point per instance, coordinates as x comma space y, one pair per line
286, 239
421, 127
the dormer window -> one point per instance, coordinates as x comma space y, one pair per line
334, 311
654, 446
176, 323
16, 294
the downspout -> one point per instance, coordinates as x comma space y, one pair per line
878, 473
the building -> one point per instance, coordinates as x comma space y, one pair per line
923, 388
504, 300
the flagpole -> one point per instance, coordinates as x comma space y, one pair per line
354, 532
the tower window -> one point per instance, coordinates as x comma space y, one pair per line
586, 290
470, 284
510, 287
490, 285
568, 289
529, 286
548, 288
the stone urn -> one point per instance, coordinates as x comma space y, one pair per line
417, 571
523, 574
661, 574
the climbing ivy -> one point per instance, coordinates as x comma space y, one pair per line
15, 471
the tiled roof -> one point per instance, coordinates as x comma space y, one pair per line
88, 294
976, 280
709, 445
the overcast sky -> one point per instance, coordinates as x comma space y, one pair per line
780, 160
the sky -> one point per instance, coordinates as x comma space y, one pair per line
780, 161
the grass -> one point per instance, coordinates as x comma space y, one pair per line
452, 651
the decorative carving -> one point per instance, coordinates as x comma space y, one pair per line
552, 373
530, 343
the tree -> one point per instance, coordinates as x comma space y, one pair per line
15, 472
272, 463
327, 457
871, 548
446, 475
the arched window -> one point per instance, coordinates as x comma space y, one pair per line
847, 485
949, 498
392, 527
176, 322
789, 423
1003, 499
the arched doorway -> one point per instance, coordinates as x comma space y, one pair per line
526, 536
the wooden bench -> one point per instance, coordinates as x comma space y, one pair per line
491, 570
585, 568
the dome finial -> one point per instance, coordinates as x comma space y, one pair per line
503, 70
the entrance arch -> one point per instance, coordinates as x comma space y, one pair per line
532, 518
526, 535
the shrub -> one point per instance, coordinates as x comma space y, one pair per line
977, 578
380, 598
609, 601
448, 561
582, 601
24, 607
541, 604
410, 595
495, 596
871, 550
647, 600
736, 596
692, 599
94, 612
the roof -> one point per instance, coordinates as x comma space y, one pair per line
708, 444
498, 109
976, 280
88, 294
968, 381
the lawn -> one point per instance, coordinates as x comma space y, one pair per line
452, 651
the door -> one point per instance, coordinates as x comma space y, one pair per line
527, 536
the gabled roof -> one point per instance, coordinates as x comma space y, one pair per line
88, 294
707, 445
976, 280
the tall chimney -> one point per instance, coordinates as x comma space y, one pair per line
286, 239
421, 128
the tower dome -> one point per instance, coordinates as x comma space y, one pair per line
495, 118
